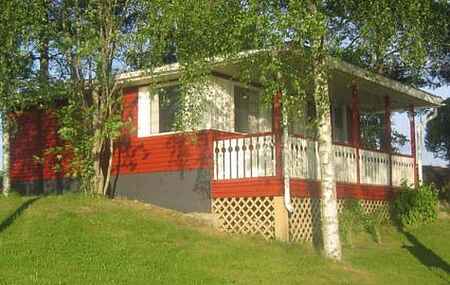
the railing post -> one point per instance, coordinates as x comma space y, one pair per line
412, 130
356, 125
388, 134
280, 211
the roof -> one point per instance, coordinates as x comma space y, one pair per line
416, 96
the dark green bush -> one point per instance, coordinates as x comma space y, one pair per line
416, 206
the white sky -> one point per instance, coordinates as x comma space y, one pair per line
400, 123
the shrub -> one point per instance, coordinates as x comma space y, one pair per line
415, 206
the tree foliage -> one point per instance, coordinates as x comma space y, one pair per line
404, 40
437, 138
372, 133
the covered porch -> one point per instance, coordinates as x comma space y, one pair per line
252, 164
255, 175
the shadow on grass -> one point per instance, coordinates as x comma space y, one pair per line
425, 255
17, 213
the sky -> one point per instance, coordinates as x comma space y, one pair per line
428, 158
400, 123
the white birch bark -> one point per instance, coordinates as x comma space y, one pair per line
6, 157
329, 213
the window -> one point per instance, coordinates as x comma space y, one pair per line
169, 105
157, 109
301, 121
339, 119
250, 114
241, 109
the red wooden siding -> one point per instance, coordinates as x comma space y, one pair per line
26, 143
163, 153
310, 188
36, 133
249, 187
273, 186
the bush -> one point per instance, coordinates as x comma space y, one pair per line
416, 206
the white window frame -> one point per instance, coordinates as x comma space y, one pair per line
258, 121
148, 110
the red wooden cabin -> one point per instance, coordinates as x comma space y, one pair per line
232, 165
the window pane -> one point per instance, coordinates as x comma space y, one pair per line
251, 115
241, 109
339, 117
301, 121
169, 105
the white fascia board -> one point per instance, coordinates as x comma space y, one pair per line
147, 75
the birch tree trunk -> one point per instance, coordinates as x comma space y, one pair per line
6, 161
329, 213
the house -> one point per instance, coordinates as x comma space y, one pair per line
232, 166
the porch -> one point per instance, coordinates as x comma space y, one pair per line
256, 173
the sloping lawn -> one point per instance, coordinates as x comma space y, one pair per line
73, 239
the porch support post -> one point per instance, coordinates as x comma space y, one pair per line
356, 127
412, 129
388, 134
280, 211
277, 130
281, 219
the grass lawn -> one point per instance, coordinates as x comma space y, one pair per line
73, 239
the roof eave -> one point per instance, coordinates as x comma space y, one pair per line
432, 100
158, 74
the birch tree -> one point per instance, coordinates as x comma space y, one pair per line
7, 76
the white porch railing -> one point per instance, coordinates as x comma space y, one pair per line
244, 157
346, 164
402, 170
254, 156
303, 157
374, 167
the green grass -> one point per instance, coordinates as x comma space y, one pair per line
72, 239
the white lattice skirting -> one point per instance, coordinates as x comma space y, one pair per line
256, 215
304, 221
252, 215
